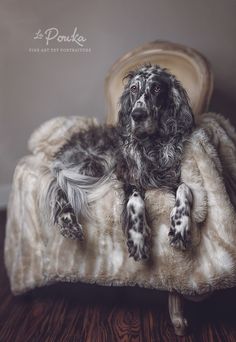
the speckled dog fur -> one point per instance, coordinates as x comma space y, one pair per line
144, 151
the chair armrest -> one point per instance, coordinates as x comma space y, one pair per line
52, 134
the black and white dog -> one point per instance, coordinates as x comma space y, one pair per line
144, 151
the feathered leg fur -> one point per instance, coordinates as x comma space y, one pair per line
65, 218
180, 217
136, 228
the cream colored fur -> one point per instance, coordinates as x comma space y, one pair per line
36, 255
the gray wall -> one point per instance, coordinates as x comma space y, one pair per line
35, 87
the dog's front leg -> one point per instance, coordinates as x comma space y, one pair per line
136, 228
181, 218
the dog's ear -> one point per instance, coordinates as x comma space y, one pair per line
181, 109
125, 108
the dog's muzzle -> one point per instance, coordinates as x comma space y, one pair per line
139, 115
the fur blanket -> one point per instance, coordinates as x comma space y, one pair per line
36, 255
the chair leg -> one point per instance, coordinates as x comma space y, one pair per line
176, 312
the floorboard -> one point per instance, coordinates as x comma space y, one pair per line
84, 313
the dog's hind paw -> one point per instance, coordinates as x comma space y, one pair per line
69, 227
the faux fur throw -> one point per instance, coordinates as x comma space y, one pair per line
36, 255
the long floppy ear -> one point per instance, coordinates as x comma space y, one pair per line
125, 108
181, 107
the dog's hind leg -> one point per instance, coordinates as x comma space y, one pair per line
180, 229
136, 227
64, 217
68, 198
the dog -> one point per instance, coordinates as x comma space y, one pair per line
143, 151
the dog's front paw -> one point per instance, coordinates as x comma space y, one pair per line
138, 245
179, 234
137, 229
69, 227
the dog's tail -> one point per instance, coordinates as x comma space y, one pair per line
81, 190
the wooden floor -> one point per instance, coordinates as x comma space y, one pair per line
78, 312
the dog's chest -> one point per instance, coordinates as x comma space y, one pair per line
151, 165
140, 158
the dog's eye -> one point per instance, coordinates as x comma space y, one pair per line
134, 89
156, 89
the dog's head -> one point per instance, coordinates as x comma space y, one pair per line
154, 102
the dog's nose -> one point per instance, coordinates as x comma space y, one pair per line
140, 104
139, 115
